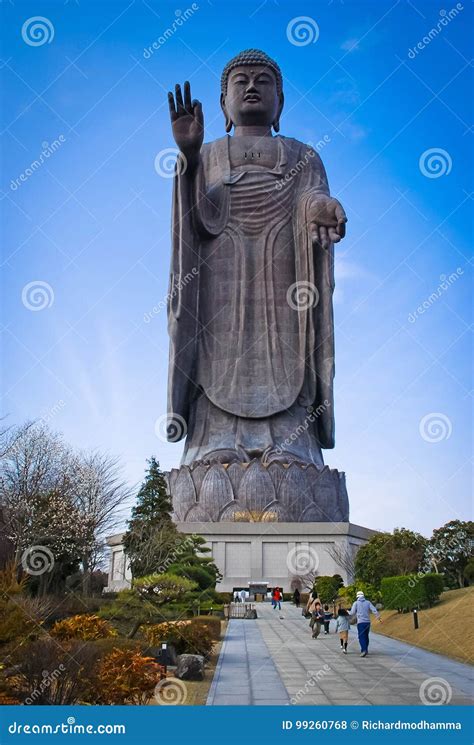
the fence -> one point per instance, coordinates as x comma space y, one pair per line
239, 610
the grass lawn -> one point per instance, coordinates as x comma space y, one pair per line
447, 628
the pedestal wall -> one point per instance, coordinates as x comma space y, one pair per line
277, 552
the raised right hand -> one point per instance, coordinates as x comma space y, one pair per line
187, 122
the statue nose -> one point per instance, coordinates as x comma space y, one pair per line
251, 88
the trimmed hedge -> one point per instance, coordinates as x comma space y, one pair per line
411, 590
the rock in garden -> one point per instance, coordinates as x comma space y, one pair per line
190, 667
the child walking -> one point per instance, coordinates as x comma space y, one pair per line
327, 618
342, 626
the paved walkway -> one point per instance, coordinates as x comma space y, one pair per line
274, 660
245, 673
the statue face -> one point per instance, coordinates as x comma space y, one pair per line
252, 96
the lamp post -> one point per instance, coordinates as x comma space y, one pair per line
415, 618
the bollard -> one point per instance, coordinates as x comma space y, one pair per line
415, 618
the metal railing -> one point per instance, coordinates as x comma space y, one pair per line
238, 610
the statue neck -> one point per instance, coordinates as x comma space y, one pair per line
256, 130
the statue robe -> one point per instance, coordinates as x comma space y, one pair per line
251, 340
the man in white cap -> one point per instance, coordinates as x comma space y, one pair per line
362, 608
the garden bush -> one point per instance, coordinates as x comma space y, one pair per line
52, 672
327, 587
348, 594
185, 636
48, 672
19, 616
224, 597
411, 590
83, 627
127, 677
212, 623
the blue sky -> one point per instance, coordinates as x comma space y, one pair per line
92, 222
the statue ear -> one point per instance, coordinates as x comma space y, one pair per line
228, 121
276, 123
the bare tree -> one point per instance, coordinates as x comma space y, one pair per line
100, 493
344, 557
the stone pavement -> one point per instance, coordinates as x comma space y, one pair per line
274, 660
245, 672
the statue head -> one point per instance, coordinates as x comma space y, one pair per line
252, 90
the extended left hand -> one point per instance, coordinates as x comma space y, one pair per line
327, 221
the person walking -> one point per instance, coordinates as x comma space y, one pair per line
362, 608
343, 625
317, 617
327, 618
276, 598
297, 598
